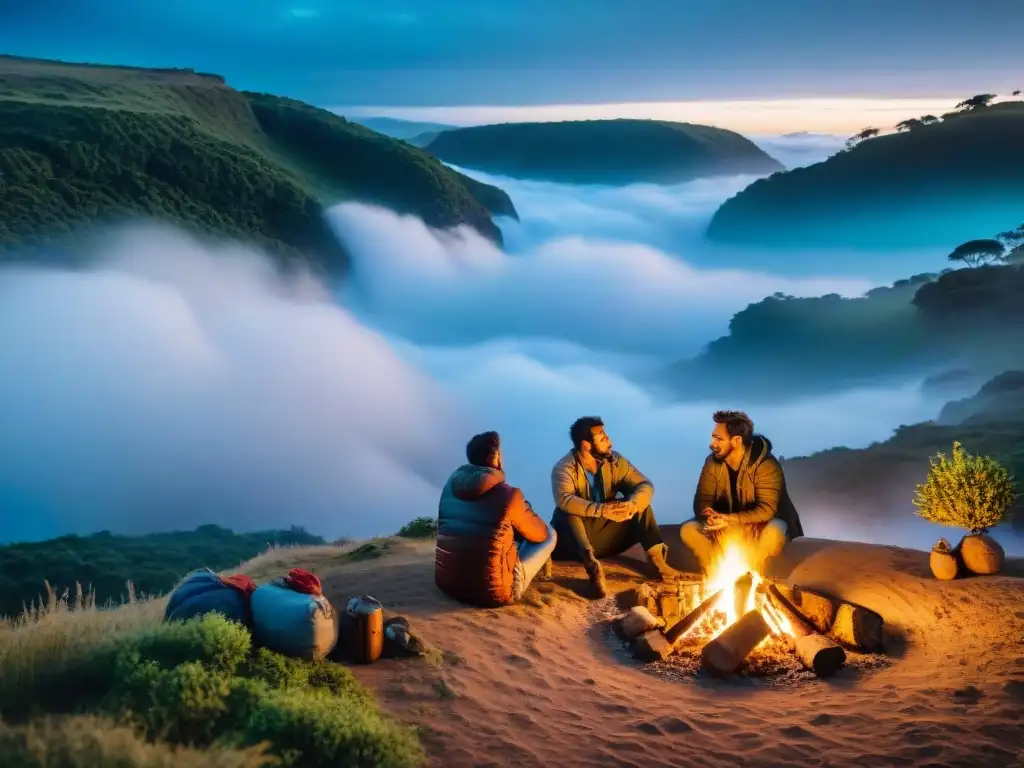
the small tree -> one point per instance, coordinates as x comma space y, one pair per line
975, 102
929, 119
972, 492
857, 138
909, 124
1015, 93
420, 528
974, 253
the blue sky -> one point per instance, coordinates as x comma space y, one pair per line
417, 53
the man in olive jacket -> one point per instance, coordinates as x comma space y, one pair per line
741, 484
590, 521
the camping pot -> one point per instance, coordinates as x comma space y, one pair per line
362, 629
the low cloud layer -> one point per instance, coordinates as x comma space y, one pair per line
795, 150
673, 219
180, 383
605, 295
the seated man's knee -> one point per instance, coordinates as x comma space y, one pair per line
773, 538
691, 531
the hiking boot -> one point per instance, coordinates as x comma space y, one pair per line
656, 557
596, 574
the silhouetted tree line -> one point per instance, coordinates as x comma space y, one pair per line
972, 104
105, 562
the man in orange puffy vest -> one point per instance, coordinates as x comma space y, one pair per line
480, 517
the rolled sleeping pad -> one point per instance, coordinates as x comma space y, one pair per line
293, 623
202, 592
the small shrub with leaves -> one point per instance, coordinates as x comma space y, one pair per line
420, 528
965, 491
199, 684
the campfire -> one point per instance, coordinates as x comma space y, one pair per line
735, 611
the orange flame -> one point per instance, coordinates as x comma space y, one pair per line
736, 556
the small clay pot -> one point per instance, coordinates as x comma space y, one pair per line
943, 562
981, 554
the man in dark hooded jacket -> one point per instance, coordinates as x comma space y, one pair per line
741, 484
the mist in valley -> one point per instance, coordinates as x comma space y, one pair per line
179, 381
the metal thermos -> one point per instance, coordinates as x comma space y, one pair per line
362, 629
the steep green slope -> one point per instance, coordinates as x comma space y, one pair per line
937, 185
106, 562
876, 483
81, 145
787, 347
376, 168
602, 151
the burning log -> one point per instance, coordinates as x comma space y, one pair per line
799, 625
636, 622
816, 652
643, 596
652, 646
741, 591
726, 652
688, 622
668, 606
853, 626
818, 609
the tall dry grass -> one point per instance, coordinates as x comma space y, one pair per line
87, 741
57, 634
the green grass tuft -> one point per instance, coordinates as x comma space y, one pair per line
197, 684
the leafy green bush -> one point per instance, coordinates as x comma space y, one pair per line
285, 672
315, 728
197, 683
972, 492
420, 528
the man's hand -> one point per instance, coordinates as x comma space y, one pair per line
715, 521
618, 511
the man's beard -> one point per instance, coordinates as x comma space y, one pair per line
717, 457
601, 455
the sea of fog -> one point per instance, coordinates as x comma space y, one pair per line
182, 382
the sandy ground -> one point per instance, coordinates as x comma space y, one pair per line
538, 684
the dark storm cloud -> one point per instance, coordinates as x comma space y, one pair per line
537, 51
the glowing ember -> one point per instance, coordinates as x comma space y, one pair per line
737, 557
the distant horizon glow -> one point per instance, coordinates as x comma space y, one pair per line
767, 116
